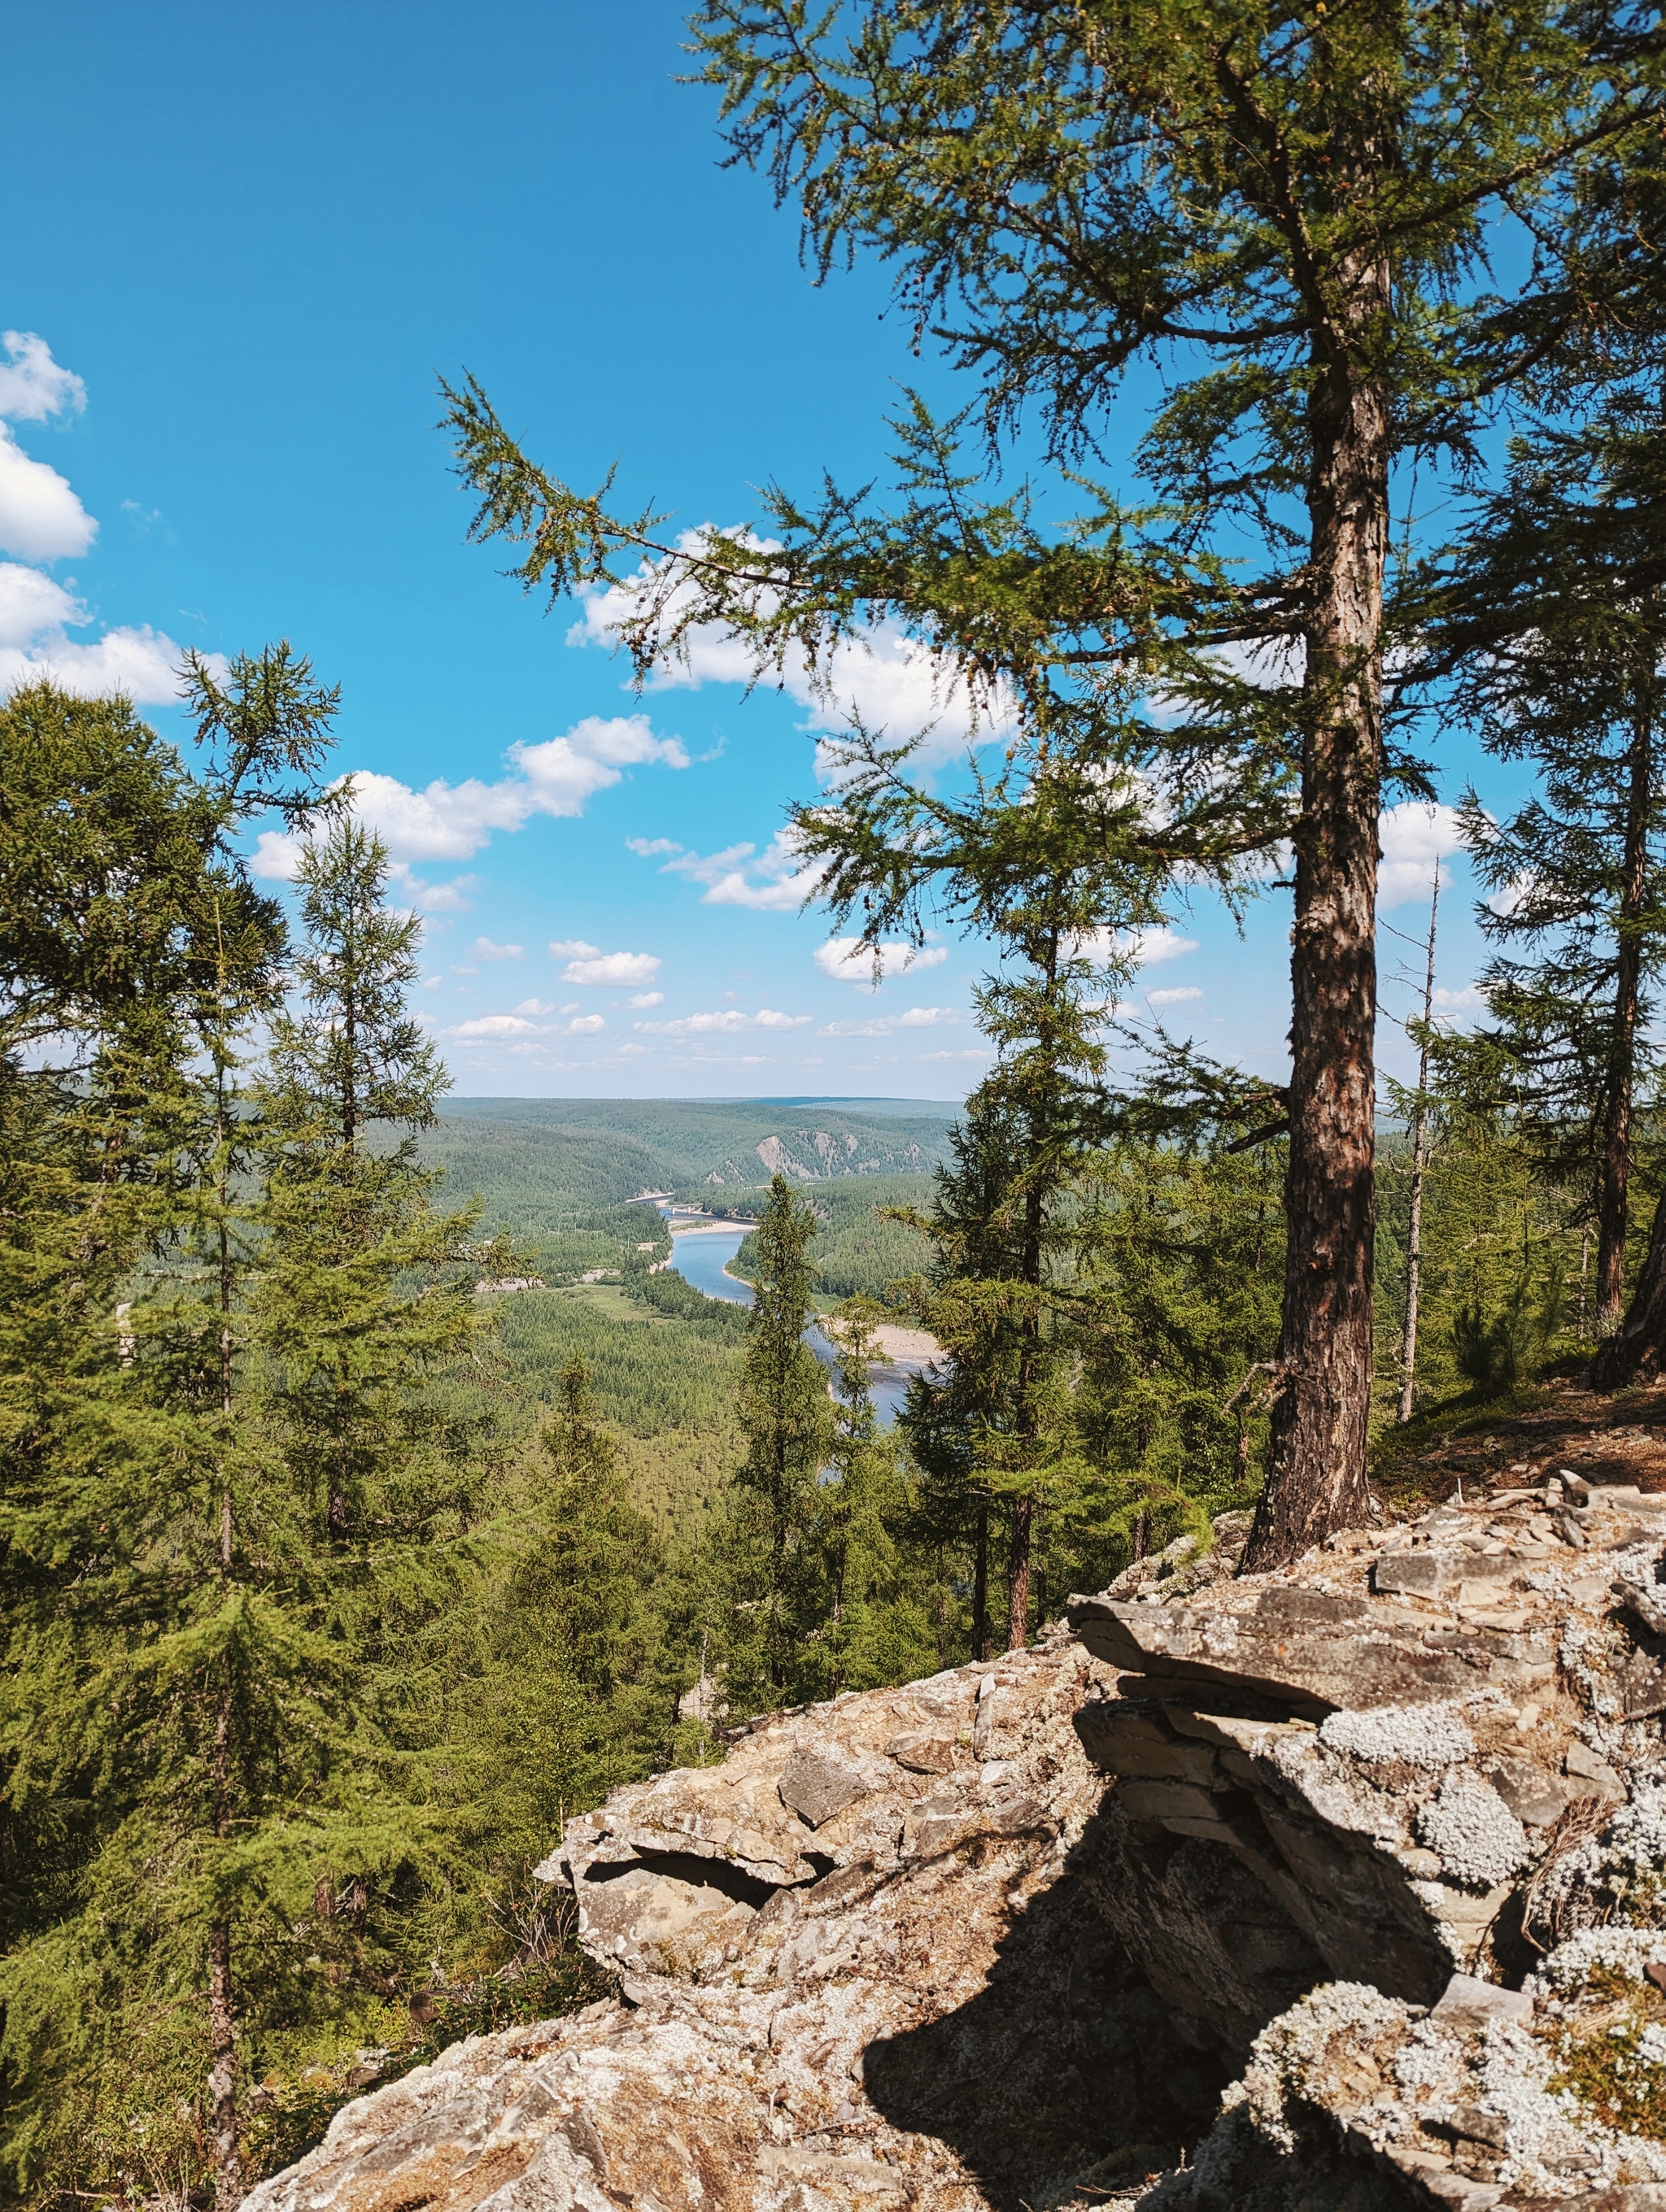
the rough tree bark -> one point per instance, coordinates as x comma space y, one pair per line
1614, 1210
1420, 1163
1637, 1345
1317, 1473
1017, 1571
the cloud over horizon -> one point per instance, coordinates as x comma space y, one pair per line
587, 964
916, 1018
886, 680
1413, 835
786, 880
452, 821
848, 960
727, 1023
42, 518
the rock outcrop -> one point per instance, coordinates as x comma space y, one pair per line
1333, 1888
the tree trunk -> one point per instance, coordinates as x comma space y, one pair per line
1420, 1161
1316, 1476
981, 1585
1637, 1347
227, 2153
1614, 1208
227, 2157
1017, 1573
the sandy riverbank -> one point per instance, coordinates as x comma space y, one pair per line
912, 1348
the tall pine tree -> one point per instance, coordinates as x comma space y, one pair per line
786, 1421
1556, 625
1293, 210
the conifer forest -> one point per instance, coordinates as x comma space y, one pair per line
376, 1493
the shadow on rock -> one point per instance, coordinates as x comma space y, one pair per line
1073, 2060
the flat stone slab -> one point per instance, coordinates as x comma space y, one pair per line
1304, 1650
1468, 2002
1417, 1573
817, 1787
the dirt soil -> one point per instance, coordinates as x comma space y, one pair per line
1621, 1439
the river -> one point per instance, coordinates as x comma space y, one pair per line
701, 1256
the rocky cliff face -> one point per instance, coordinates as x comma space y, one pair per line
1333, 1888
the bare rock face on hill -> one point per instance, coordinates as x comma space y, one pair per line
820, 1155
1332, 1889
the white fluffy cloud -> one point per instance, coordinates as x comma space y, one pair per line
726, 1023
452, 821
1140, 948
1413, 836
35, 615
484, 949
644, 999
784, 881
489, 1026
40, 517
848, 960
1173, 997
454, 897
916, 1018
34, 387
588, 964
493, 1029
887, 680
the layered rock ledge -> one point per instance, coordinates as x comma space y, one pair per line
1336, 1887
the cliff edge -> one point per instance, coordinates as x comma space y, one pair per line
1333, 1888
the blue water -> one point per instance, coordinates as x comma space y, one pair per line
702, 1259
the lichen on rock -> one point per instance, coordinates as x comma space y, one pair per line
1420, 1736
1479, 1838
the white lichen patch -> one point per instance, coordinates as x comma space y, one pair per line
1480, 1840
1430, 2061
1548, 2135
1325, 2050
1336, 1792
1569, 1966
1421, 1735
1623, 1868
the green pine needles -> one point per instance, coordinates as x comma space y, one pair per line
233, 1496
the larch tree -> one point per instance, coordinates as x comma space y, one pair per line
553, 1677
351, 1081
788, 1423
1287, 207
859, 1496
1555, 625
148, 1680
993, 1432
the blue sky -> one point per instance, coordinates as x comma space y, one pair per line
242, 243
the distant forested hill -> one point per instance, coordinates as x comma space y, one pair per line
557, 1174
674, 1143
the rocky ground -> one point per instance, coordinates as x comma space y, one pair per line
1337, 1888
